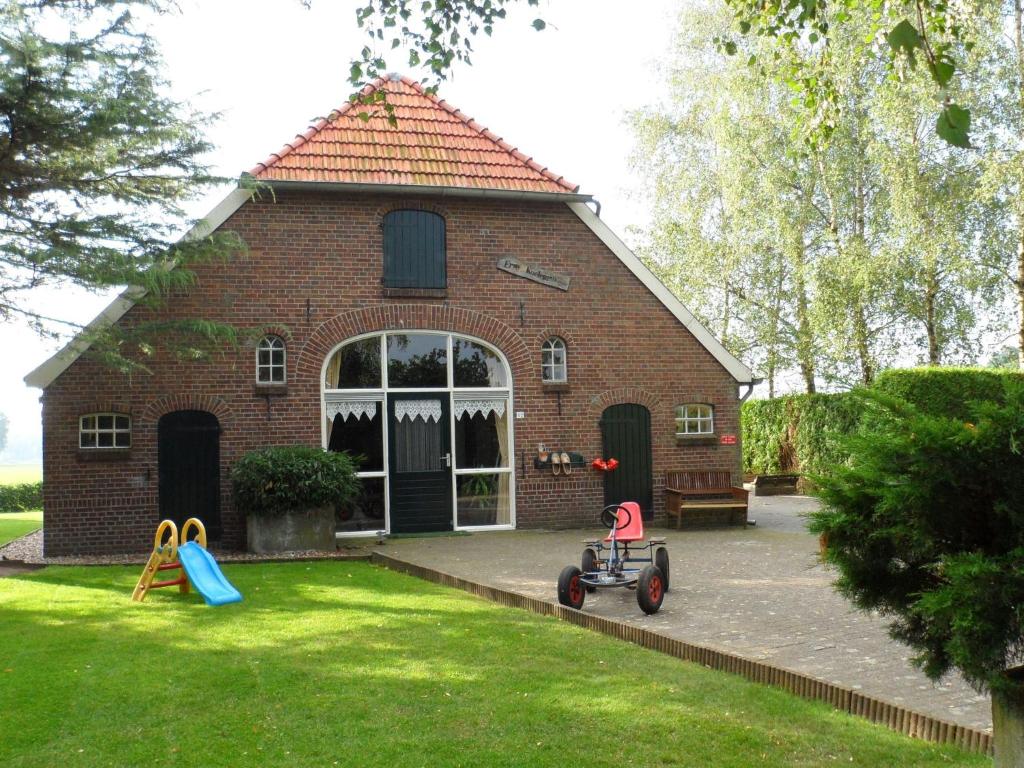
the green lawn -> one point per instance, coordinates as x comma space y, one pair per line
15, 474
347, 664
15, 524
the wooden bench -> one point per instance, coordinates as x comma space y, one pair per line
704, 491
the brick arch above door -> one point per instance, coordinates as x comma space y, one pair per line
391, 317
169, 403
621, 396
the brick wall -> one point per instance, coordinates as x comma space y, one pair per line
312, 274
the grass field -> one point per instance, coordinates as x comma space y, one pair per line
15, 524
346, 664
13, 474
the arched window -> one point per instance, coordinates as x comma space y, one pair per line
552, 361
270, 360
414, 250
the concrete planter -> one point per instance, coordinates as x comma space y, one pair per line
293, 530
1008, 725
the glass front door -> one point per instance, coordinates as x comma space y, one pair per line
420, 462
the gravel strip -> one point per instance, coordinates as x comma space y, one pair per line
29, 549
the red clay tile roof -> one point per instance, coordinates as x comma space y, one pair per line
433, 144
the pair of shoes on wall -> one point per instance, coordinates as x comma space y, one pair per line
561, 464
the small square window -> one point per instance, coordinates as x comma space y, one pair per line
695, 419
105, 430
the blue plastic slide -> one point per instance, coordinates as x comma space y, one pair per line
204, 573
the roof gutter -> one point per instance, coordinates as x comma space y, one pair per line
415, 189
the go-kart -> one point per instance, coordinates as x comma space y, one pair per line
624, 544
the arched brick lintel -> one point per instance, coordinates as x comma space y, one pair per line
623, 395
169, 403
391, 317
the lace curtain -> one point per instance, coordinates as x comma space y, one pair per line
428, 410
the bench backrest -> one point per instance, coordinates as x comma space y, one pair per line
700, 480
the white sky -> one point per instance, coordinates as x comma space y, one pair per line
272, 66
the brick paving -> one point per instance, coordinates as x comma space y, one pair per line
759, 592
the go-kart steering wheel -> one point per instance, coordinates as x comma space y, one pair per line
613, 515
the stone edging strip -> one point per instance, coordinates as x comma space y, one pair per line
914, 724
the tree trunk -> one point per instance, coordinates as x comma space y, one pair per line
930, 322
1018, 41
1020, 299
804, 337
862, 343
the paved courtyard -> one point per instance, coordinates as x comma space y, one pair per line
759, 593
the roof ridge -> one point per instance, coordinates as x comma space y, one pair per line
381, 83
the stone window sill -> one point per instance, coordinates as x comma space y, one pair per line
104, 454
555, 386
415, 293
696, 439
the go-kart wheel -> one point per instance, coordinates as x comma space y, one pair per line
588, 564
615, 516
661, 560
650, 589
570, 588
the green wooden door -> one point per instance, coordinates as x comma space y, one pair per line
626, 436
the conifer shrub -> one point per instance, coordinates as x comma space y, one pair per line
21, 497
925, 524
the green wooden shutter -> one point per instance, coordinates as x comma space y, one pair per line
414, 250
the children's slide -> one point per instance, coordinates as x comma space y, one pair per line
204, 573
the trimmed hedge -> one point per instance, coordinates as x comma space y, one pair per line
798, 433
18, 498
803, 433
946, 391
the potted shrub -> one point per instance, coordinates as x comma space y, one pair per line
288, 494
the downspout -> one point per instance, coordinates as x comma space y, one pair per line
750, 389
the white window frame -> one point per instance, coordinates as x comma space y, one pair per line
89, 424
271, 343
452, 393
702, 415
559, 372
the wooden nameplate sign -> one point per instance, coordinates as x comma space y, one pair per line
535, 273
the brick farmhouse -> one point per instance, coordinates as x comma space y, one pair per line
424, 295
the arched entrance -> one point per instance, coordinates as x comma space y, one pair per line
429, 415
626, 436
188, 462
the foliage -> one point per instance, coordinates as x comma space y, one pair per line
21, 497
935, 31
807, 433
95, 164
829, 258
431, 33
273, 481
419, 674
802, 433
926, 526
951, 392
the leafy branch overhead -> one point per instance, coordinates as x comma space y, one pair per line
911, 31
431, 34
96, 162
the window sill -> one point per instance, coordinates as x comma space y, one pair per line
554, 386
104, 454
697, 439
271, 389
415, 293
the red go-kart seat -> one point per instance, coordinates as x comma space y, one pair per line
634, 530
